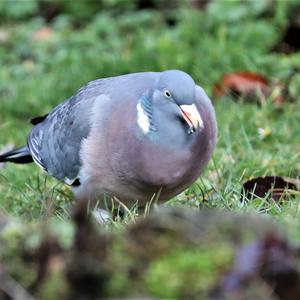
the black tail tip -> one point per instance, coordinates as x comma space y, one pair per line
19, 156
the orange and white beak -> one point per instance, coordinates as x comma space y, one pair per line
191, 115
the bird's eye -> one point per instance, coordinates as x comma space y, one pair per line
167, 93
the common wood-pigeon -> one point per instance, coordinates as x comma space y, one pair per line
128, 137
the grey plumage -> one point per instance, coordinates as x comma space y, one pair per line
125, 137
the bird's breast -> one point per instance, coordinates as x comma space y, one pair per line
149, 166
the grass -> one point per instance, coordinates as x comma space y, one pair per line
36, 75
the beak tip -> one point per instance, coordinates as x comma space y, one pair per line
192, 116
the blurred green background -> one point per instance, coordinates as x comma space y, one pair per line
50, 48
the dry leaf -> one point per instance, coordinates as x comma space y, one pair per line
246, 84
275, 186
255, 88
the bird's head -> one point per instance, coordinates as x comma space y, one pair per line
171, 105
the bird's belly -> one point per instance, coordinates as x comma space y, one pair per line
139, 174
163, 175
130, 183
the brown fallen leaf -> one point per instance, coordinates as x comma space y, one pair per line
275, 186
255, 88
43, 34
242, 83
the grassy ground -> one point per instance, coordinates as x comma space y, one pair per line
37, 72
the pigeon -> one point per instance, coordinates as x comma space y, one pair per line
127, 137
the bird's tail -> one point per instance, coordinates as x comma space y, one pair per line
19, 156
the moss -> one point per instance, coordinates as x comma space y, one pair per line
55, 285
188, 273
15, 255
119, 265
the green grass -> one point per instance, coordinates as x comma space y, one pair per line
36, 76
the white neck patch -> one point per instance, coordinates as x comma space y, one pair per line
142, 119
